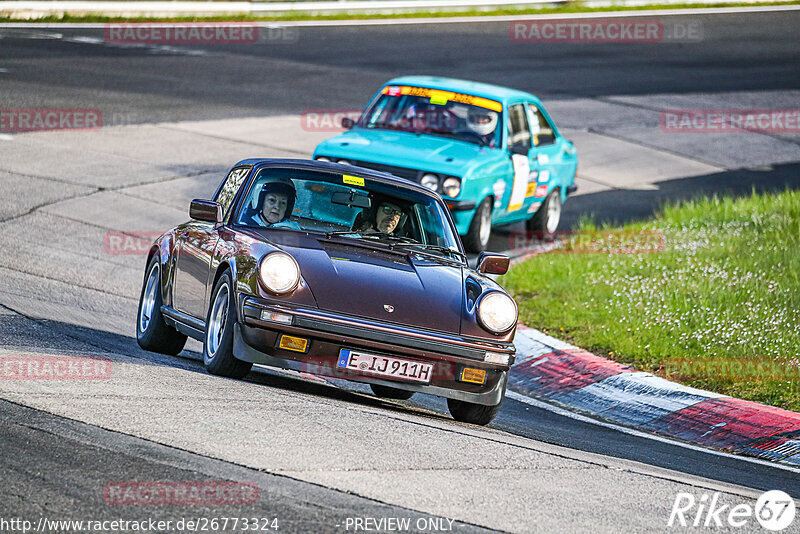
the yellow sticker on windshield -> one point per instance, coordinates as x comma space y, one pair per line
352, 180
439, 100
436, 94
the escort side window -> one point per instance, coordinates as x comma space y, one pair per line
519, 133
543, 133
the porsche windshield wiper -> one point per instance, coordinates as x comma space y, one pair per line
400, 241
437, 248
342, 232
393, 239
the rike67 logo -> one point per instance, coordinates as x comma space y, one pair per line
774, 511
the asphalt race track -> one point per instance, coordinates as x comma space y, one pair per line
321, 454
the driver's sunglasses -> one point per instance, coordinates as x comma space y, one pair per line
388, 210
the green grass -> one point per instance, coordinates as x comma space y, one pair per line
725, 290
571, 7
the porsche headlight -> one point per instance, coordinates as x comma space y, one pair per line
451, 186
279, 272
431, 181
497, 312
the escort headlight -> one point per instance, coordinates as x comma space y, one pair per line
344, 162
431, 181
323, 158
451, 186
279, 273
497, 312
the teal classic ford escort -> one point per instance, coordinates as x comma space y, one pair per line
493, 153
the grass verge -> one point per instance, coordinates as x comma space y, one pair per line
716, 308
570, 8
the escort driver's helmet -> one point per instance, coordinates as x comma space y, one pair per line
482, 121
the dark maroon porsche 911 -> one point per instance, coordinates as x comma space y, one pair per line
338, 271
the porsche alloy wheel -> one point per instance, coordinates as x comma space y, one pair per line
468, 412
218, 342
481, 227
152, 332
217, 320
148, 299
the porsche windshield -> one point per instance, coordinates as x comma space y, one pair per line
434, 112
348, 207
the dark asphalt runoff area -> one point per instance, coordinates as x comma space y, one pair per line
58, 469
341, 67
54, 466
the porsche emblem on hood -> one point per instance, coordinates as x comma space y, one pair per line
388, 307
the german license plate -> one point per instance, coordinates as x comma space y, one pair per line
396, 368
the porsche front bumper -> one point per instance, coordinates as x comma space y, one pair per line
257, 340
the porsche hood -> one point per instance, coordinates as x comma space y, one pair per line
388, 286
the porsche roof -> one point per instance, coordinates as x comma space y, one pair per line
340, 169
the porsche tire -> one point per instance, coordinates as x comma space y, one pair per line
218, 340
469, 412
545, 220
152, 332
388, 392
480, 228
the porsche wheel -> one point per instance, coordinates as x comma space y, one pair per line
548, 216
387, 392
468, 412
152, 332
218, 342
480, 228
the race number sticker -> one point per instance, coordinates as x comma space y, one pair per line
522, 169
352, 180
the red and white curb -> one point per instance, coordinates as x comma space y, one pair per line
565, 375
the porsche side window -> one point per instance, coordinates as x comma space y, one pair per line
540, 127
231, 186
519, 133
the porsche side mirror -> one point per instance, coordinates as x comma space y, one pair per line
205, 210
491, 263
348, 123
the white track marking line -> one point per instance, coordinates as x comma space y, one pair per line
625, 430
